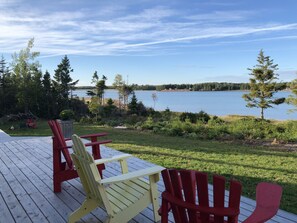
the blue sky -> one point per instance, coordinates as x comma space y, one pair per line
154, 42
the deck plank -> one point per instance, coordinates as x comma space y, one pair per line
26, 186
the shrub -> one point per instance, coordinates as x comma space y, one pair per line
66, 115
251, 128
148, 124
192, 117
203, 116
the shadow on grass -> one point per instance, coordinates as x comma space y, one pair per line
179, 143
289, 200
211, 161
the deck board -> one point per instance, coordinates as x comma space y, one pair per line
26, 183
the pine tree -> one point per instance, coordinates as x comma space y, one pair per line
48, 95
100, 87
63, 83
133, 105
36, 93
263, 85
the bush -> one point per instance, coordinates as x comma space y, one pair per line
251, 128
192, 117
66, 115
203, 116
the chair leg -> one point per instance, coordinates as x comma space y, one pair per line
154, 195
57, 185
85, 208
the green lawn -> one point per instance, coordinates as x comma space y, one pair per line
248, 164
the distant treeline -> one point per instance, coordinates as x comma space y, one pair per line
209, 86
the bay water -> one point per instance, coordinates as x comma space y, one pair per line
218, 103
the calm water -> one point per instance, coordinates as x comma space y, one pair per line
215, 103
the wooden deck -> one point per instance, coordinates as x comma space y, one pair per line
26, 186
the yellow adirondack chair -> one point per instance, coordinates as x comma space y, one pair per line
122, 196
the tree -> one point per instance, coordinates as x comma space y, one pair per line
133, 105
7, 90
48, 94
24, 66
100, 87
292, 99
155, 98
94, 107
118, 85
36, 94
126, 91
263, 85
63, 83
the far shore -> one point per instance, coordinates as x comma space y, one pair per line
175, 90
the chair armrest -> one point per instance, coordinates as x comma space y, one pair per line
260, 215
268, 198
114, 158
132, 175
97, 143
67, 139
93, 135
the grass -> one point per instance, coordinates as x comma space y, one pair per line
248, 164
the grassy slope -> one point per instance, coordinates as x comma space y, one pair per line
247, 164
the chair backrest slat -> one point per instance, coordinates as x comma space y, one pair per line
185, 185
60, 140
189, 186
219, 195
234, 198
86, 168
202, 188
179, 212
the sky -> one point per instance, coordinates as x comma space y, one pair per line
154, 42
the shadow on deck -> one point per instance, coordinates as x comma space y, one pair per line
26, 186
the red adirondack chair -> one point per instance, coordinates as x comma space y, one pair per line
31, 123
64, 171
183, 188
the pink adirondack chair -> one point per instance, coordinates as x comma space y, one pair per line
183, 188
63, 171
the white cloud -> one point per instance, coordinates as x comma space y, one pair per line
87, 31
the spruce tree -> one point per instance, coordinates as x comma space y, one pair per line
263, 85
133, 105
63, 83
48, 95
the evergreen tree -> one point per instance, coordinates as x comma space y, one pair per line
7, 90
126, 91
263, 85
63, 83
133, 105
48, 95
100, 87
292, 99
36, 96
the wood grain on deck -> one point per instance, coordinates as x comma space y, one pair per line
26, 187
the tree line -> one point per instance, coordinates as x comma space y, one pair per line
207, 86
24, 88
